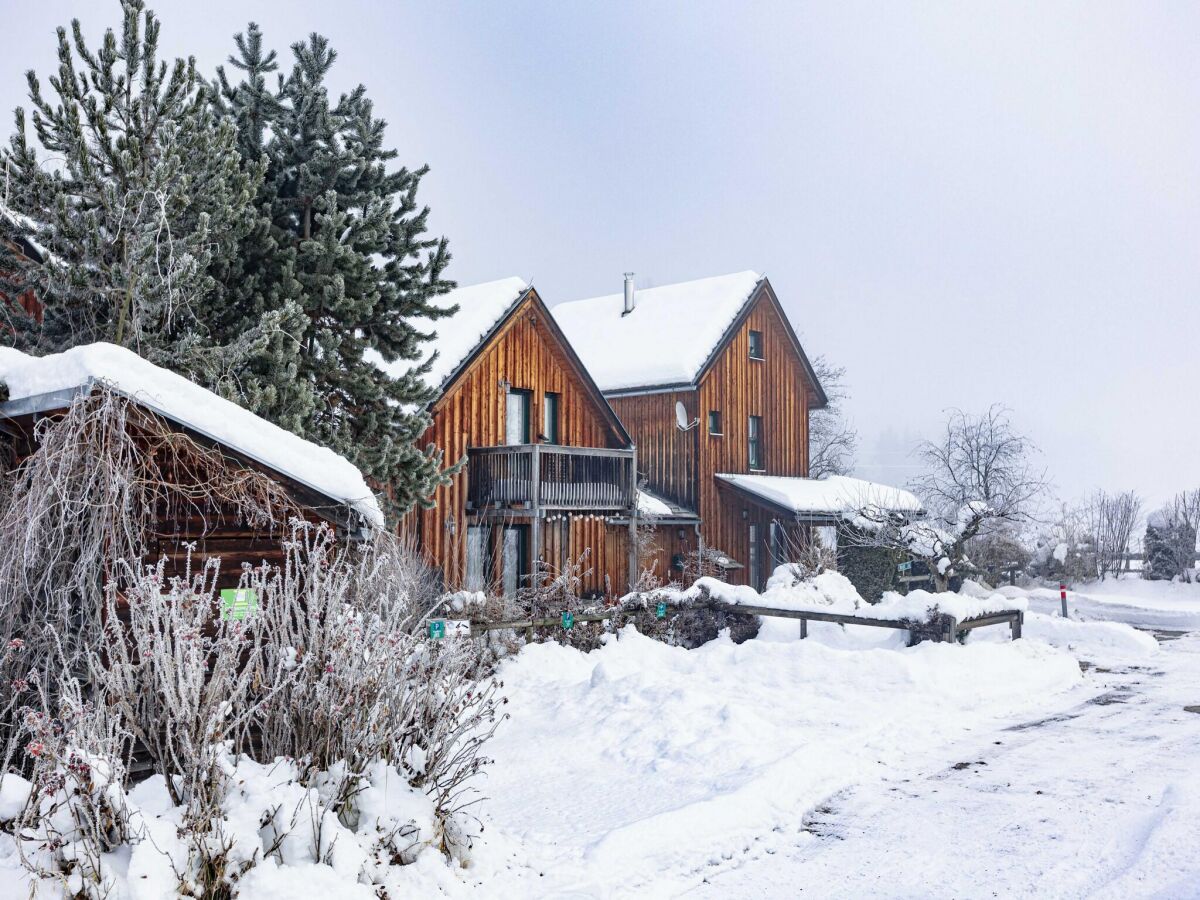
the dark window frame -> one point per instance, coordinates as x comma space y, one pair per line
552, 418
756, 343
754, 444
527, 400
714, 423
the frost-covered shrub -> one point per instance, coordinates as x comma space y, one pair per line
691, 620
550, 594
71, 811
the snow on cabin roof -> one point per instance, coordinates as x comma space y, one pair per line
667, 338
481, 307
179, 399
835, 496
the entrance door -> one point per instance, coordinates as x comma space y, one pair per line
478, 554
515, 558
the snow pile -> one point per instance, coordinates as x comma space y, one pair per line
280, 836
634, 350
481, 307
654, 763
836, 495
188, 404
833, 592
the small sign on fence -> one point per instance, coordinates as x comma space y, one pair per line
905, 566
238, 603
444, 628
660, 611
568, 620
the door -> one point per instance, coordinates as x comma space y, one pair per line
516, 417
478, 558
515, 558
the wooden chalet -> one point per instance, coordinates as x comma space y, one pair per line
710, 380
550, 472
313, 482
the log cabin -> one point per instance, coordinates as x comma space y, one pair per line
550, 472
313, 483
710, 380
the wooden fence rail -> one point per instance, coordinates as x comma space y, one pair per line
942, 628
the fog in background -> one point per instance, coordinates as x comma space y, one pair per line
961, 204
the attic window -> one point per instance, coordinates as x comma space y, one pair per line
756, 345
714, 421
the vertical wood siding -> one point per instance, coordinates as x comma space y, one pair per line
774, 388
666, 456
681, 466
527, 355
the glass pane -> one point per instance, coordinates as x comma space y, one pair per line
476, 558
550, 418
755, 564
512, 561
516, 418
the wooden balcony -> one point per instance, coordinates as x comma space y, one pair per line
537, 477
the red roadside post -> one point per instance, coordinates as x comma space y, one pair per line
1062, 593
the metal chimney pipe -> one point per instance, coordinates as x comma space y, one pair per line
630, 300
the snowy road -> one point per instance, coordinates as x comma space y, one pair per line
1102, 800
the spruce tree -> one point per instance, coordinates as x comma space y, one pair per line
348, 243
137, 194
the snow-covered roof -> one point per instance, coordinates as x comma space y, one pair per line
177, 398
651, 505
481, 307
834, 497
667, 338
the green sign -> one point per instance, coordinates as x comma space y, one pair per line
568, 620
437, 629
660, 611
905, 566
238, 603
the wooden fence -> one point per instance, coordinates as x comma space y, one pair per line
940, 628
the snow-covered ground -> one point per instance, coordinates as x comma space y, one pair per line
1168, 606
847, 765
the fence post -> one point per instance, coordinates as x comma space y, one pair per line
803, 629
1017, 622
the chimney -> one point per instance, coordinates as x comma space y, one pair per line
630, 300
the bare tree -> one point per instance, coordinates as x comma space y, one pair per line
979, 476
831, 439
1111, 522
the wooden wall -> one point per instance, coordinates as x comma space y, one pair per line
666, 456
526, 354
682, 466
775, 388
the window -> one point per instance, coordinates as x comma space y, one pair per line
776, 548
516, 417
754, 443
550, 419
756, 345
516, 558
755, 561
714, 421
478, 558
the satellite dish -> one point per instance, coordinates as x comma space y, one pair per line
681, 417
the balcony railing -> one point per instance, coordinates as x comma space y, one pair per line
547, 476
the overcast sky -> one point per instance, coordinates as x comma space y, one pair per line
961, 204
